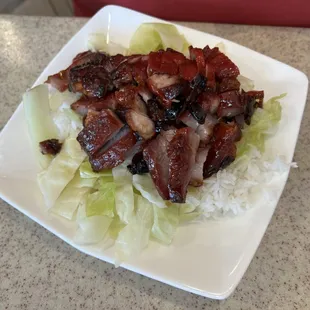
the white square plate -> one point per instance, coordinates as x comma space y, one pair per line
206, 258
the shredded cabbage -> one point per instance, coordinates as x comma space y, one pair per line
91, 229
124, 196
245, 83
263, 121
134, 237
99, 42
144, 184
61, 171
72, 195
102, 201
165, 223
155, 36
37, 112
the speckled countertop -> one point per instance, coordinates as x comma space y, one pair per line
40, 271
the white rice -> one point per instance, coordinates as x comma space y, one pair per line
247, 182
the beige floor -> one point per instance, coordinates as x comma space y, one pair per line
37, 7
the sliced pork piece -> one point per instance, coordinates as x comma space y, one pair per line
165, 62
156, 158
140, 123
91, 80
98, 131
197, 174
258, 95
187, 118
205, 131
209, 102
50, 147
128, 98
224, 67
181, 153
115, 151
155, 111
122, 75
210, 75
165, 86
230, 104
222, 149
210, 53
228, 84
60, 80
188, 70
197, 55
84, 104
90, 117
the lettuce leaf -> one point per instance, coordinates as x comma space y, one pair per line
99, 42
144, 184
124, 196
61, 171
166, 221
134, 237
155, 36
91, 229
71, 196
102, 201
262, 123
37, 112
245, 83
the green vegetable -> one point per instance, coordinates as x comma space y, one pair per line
144, 184
166, 221
102, 201
116, 226
71, 196
155, 36
87, 172
91, 229
39, 121
134, 237
101, 43
124, 196
57, 99
263, 121
61, 171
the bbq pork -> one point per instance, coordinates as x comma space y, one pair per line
178, 118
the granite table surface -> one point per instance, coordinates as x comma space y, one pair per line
40, 271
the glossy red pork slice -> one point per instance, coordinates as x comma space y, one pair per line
166, 87
197, 55
224, 67
230, 104
99, 130
197, 174
228, 84
91, 80
205, 131
165, 62
222, 149
209, 102
115, 151
84, 104
156, 158
59, 80
181, 153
